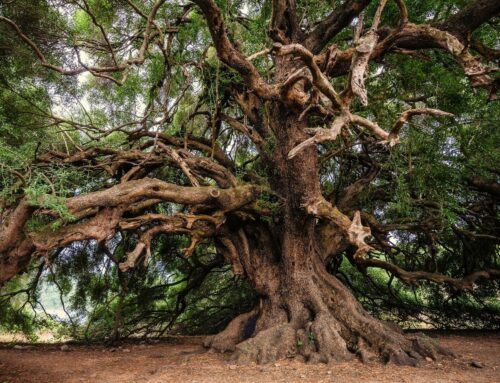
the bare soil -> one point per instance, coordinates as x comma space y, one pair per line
184, 360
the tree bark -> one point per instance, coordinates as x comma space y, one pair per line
304, 311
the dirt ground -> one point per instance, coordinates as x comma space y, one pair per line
186, 361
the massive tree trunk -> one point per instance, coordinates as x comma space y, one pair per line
304, 311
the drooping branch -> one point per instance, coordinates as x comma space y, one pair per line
198, 226
103, 211
100, 227
393, 137
87, 9
112, 160
45, 63
412, 277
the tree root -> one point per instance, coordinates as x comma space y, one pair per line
321, 342
325, 339
236, 331
274, 343
320, 322
324, 335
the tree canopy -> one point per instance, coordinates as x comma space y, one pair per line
168, 165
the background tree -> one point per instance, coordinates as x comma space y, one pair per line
289, 139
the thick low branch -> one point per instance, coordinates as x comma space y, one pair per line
129, 192
103, 211
11, 225
100, 227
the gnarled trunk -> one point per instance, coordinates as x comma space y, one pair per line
307, 313
304, 311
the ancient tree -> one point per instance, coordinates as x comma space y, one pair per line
299, 101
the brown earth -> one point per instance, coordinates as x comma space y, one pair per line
186, 361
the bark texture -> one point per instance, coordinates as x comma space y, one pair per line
304, 311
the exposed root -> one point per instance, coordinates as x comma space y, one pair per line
320, 323
275, 343
237, 330
325, 340
393, 347
318, 341
429, 347
328, 343
322, 341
